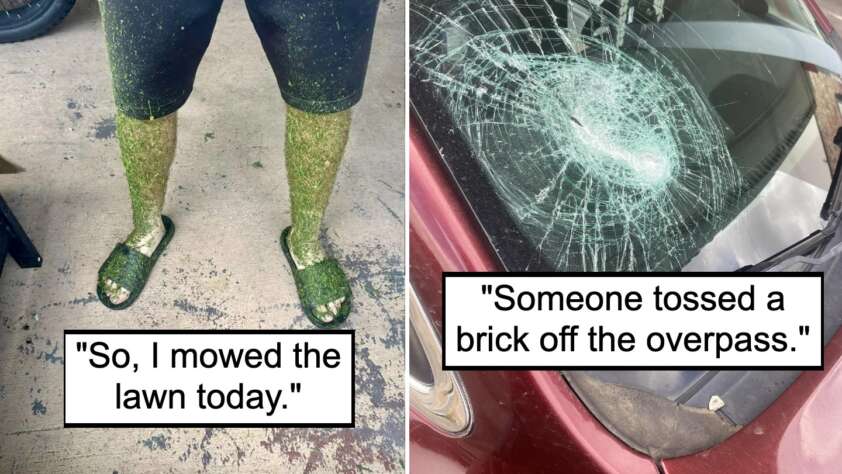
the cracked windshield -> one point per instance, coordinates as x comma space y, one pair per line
625, 135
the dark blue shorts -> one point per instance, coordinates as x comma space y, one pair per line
318, 50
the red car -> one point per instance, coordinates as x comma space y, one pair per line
481, 168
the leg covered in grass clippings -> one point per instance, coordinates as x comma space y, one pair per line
147, 148
314, 147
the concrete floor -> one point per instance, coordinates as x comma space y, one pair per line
228, 196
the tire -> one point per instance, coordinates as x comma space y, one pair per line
31, 20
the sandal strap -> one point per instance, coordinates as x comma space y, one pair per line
126, 267
323, 282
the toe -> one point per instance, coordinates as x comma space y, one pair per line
116, 294
122, 296
324, 313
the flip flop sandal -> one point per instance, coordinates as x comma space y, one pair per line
319, 284
130, 269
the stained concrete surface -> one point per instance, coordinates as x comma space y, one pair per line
228, 196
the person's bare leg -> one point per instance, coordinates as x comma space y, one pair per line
314, 147
147, 148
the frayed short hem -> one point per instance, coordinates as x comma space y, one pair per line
149, 112
323, 107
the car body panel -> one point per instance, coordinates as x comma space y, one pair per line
528, 421
523, 421
800, 432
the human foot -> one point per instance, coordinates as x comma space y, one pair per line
322, 286
144, 241
124, 273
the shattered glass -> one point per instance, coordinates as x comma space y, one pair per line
602, 150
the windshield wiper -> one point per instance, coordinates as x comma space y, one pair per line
833, 194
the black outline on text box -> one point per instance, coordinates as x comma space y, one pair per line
445, 366
352, 424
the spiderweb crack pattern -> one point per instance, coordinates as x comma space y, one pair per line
606, 156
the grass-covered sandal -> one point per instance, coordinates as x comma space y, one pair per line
130, 269
319, 284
